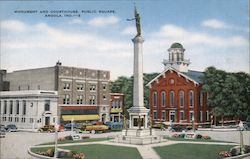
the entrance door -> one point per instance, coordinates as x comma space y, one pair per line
172, 116
47, 120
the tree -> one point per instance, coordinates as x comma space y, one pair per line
125, 85
228, 93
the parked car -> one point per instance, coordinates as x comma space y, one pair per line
2, 131
69, 125
246, 125
47, 128
11, 128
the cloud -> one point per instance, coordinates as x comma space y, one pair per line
13, 25
214, 23
103, 21
129, 31
42, 42
76, 21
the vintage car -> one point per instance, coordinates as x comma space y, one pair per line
47, 128
96, 128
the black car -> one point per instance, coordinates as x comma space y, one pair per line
2, 131
11, 128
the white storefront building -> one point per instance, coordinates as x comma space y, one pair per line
29, 109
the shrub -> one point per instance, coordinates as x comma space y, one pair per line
246, 149
85, 137
50, 152
78, 155
175, 135
61, 139
206, 137
181, 135
68, 137
198, 136
235, 151
225, 154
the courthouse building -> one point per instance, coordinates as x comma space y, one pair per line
175, 94
83, 94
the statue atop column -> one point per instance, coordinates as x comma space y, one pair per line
137, 22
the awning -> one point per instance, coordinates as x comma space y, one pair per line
80, 117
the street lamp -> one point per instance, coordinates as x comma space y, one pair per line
72, 121
56, 137
241, 128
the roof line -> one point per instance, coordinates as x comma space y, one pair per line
173, 69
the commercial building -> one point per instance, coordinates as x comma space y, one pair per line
81, 90
116, 107
29, 109
175, 94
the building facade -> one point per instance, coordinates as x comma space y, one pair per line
175, 94
29, 109
116, 107
79, 88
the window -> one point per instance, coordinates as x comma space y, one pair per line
182, 99
207, 115
79, 99
201, 99
66, 86
163, 99
191, 98
182, 115
23, 120
172, 99
66, 99
17, 106
191, 116
11, 107
155, 114
113, 104
5, 107
79, 87
116, 104
104, 86
92, 87
163, 115
0, 107
47, 105
38, 87
155, 99
104, 97
92, 100
31, 120
201, 118
16, 119
121, 104
24, 107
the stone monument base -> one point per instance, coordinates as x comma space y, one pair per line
138, 137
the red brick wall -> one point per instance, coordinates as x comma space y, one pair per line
180, 83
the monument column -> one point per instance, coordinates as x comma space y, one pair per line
138, 94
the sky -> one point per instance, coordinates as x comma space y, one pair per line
96, 35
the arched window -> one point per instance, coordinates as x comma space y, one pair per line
172, 99
182, 99
163, 99
191, 98
155, 99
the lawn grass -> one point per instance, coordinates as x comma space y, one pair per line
99, 151
77, 141
195, 140
191, 151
